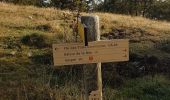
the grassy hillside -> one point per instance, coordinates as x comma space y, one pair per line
26, 35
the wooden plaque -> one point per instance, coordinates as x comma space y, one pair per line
98, 51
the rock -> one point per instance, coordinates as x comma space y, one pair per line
30, 17
29, 54
13, 53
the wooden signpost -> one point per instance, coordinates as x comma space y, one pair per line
95, 51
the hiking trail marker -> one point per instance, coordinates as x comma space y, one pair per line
81, 29
97, 51
91, 53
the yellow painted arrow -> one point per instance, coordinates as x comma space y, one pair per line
81, 30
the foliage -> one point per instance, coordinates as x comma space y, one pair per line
42, 57
45, 27
146, 89
155, 9
143, 88
36, 40
163, 45
158, 9
12, 43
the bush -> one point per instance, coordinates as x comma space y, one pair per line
45, 27
163, 45
36, 40
42, 57
11, 43
146, 89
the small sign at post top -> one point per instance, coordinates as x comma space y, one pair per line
97, 51
81, 30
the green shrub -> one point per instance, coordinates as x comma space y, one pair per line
146, 89
11, 43
42, 58
163, 45
36, 40
45, 27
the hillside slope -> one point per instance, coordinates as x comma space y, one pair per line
26, 36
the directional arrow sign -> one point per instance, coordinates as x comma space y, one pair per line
98, 51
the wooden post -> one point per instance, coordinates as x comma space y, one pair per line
92, 72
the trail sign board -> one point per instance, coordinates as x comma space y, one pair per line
97, 51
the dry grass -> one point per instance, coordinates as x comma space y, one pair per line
28, 17
134, 22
